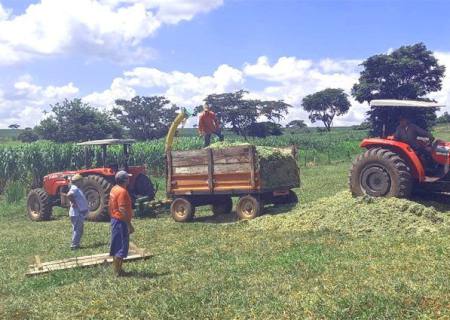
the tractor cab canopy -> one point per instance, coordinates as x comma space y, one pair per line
388, 112
104, 144
107, 142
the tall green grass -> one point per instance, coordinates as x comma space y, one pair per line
28, 163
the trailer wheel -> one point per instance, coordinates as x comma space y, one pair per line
182, 210
249, 207
222, 206
38, 205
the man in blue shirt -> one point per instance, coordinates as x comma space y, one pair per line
78, 209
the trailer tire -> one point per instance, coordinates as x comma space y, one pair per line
182, 210
222, 206
249, 207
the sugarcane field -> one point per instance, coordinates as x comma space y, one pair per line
220, 159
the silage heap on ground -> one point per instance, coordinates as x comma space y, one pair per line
357, 216
277, 166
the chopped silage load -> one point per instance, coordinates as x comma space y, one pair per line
278, 168
356, 216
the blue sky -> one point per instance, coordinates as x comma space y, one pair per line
185, 49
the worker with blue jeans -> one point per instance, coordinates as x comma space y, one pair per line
78, 210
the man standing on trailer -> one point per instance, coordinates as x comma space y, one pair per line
78, 209
121, 212
208, 124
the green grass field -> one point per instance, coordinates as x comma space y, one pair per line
225, 269
221, 268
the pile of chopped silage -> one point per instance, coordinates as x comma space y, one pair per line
277, 167
356, 216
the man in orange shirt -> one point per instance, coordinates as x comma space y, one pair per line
208, 124
121, 212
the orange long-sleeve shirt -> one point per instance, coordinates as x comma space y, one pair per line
208, 122
119, 198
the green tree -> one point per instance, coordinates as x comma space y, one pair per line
264, 129
239, 113
145, 117
410, 72
28, 135
74, 120
444, 118
325, 105
297, 124
14, 126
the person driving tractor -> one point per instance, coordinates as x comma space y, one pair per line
208, 124
408, 132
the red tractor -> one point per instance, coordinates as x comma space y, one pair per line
96, 186
391, 168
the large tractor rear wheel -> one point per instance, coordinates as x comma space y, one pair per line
380, 172
39, 206
97, 189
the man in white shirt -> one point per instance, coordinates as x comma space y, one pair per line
78, 209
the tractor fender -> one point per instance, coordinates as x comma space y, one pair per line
403, 149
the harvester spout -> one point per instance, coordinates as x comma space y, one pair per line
182, 116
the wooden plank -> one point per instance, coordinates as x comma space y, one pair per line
251, 153
232, 168
38, 262
88, 263
74, 259
189, 154
210, 170
231, 151
195, 170
190, 161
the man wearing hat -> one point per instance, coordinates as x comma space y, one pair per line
78, 209
208, 124
121, 212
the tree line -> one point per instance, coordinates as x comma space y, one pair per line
409, 72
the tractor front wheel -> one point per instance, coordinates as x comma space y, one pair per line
97, 189
380, 172
39, 206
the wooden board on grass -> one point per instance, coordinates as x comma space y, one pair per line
39, 267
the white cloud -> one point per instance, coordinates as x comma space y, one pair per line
443, 96
184, 89
110, 28
288, 79
26, 102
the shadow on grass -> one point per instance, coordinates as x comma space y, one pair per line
232, 217
439, 201
145, 274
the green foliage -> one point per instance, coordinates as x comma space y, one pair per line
325, 105
239, 113
28, 135
14, 192
73, 120
444, 118
297, 124
410, 72
264, 129
146, 118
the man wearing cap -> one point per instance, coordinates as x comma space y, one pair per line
78, 209
208, 124
121, 212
